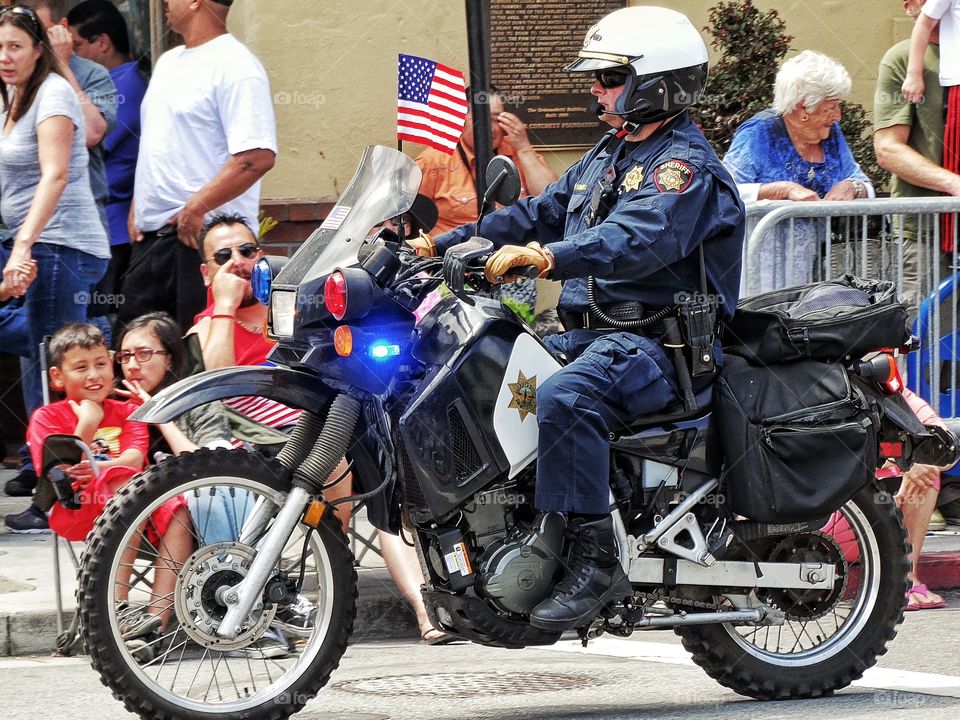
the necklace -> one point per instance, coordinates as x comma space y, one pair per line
250, 325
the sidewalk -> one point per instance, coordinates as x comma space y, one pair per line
28, 622
28, 606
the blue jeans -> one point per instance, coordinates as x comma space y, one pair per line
14, 329
219, 516
60, 295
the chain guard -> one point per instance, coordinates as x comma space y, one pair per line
810, 547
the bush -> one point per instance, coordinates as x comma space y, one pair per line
858, 130
751, 45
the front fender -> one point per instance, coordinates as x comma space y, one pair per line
291, 387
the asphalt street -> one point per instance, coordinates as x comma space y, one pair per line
647, 676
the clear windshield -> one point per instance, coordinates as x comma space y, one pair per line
384, 186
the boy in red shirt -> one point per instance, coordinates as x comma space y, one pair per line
81, 369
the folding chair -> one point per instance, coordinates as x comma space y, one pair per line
357, 539
57, 583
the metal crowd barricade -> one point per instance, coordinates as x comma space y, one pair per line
790, 243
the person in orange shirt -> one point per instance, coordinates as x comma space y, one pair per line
448, 180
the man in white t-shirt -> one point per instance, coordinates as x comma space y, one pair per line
208, 138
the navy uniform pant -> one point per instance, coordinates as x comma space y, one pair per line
613, 380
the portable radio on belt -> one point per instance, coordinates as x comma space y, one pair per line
698, 324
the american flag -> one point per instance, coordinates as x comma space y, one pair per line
432, 103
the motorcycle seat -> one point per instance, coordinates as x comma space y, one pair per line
674, 413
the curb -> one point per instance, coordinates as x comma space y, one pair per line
382, 614
940, 570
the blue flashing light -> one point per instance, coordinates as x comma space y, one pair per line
262, 281
381, 350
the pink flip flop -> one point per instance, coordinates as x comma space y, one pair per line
922, 590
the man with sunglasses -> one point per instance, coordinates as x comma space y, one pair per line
647, 218
230, 330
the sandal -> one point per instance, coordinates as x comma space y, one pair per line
439, 638
926, 601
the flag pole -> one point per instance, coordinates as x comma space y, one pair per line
478, 46
401, 230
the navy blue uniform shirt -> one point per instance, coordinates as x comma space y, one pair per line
673, 195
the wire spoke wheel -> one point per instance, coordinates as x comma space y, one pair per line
162, 560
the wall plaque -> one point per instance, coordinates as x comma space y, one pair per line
531, 41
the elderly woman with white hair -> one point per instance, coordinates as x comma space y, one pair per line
796, 151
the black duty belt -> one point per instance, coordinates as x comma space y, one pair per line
626, 311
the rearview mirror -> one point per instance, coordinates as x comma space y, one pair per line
503, 181
503, 185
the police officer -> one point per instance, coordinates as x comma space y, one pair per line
627, 221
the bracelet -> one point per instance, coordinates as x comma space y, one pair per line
231, 317
857, 189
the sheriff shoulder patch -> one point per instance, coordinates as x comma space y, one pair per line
673, 176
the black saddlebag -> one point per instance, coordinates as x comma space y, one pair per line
826, 320
797, 438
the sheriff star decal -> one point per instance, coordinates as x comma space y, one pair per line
673, 176
633, 179
524, 392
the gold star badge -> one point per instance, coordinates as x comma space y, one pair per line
633, 178
524, 392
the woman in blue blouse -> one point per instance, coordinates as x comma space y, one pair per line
796, 151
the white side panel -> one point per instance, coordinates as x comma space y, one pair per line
515, 414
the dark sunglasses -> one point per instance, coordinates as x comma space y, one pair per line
141, 354
610, 78
27, 13
247, 250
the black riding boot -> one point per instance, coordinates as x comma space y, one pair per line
594, 578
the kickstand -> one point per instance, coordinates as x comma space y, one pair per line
583, 633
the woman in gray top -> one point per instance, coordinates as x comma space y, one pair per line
45, 196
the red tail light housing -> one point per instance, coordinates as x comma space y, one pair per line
893, 382
335, 295
882, 369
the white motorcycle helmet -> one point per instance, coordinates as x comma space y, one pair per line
663, 55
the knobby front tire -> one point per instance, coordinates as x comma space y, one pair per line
189, 675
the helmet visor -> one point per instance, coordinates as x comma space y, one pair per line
593, 61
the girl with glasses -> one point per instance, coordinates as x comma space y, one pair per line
151, 356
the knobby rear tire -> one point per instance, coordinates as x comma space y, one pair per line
780, 677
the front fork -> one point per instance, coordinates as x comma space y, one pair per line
240, 599
314, 455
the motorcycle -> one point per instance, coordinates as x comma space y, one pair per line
437, 420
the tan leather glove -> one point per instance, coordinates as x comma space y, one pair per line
423, 245
510, 256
